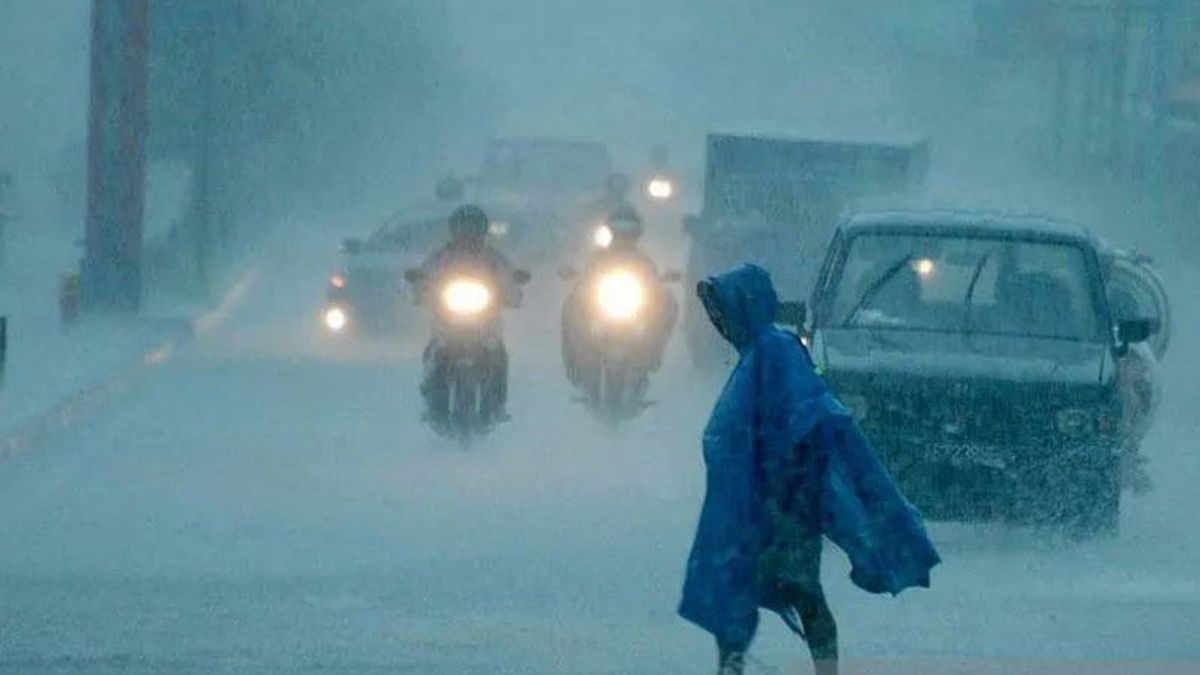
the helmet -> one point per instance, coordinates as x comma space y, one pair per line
468, 224
625, 224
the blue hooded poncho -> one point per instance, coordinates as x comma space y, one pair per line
772, 404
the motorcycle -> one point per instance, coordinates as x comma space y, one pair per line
615, 324
466, 353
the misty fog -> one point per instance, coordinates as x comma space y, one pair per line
246, 473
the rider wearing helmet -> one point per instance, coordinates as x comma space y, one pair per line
468, 249
469, 245
626, 227
614, 196
468, 226
625, 224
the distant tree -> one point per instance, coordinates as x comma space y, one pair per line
267, 100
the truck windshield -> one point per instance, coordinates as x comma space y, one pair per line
967, 284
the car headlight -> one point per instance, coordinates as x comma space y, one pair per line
858, 405
602, 236
620, 295
660, 188
924, 267
1073, 422
466, 297
335, 319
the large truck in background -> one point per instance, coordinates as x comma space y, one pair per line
775, 201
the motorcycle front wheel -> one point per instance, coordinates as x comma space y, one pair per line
464, 401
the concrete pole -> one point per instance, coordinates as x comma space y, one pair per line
1119, 92
117, 128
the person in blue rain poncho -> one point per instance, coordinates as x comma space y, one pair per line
786, 464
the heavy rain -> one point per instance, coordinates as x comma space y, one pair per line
562, 336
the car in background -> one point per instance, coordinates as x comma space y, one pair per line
983, 357
365, 294
556, 168
553, 186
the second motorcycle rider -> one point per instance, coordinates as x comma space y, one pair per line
619, 297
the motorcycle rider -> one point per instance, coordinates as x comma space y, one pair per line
468, 249
626, 227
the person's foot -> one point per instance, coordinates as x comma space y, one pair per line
733, 663
826, 667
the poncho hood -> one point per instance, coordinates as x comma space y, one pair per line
741, 303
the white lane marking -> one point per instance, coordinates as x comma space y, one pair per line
209, 321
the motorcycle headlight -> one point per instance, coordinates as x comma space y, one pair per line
1073, 422
337, 281
660, 188
602, 236
466, 297
498, 228
335, 319
620, 295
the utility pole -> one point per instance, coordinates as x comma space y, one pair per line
111, 272
1118, 105
206, 239
203, 159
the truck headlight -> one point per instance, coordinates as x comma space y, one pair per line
466, 297
620, 295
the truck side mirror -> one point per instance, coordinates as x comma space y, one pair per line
522, 277
792, 314
1133, 331
352, 246
414, 276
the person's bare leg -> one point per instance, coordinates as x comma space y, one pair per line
820, 629
731, 660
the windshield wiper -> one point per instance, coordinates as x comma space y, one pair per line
875, 287
970, 296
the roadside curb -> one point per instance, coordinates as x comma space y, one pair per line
81, 405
